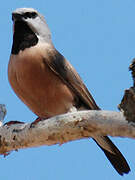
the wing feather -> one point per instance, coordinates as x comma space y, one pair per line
62, 68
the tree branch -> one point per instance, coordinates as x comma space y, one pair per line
63, 128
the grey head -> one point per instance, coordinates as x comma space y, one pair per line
30, 26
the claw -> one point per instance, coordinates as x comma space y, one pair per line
36, 121
13, 122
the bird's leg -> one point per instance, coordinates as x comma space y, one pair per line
13, 122
37, 120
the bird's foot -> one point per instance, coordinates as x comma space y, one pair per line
36, 121
13, 122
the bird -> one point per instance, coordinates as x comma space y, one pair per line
45, 80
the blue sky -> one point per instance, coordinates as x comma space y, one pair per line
98, 38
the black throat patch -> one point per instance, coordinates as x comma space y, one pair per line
23, 37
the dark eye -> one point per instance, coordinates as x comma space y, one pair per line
33, 14
30, 15
25, 15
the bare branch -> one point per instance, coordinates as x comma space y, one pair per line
64, 128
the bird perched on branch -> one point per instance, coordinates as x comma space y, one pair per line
46, 82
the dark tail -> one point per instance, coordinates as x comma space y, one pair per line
113, 154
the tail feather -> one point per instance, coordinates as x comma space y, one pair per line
113, 154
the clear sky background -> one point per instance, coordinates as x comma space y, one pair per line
98, 38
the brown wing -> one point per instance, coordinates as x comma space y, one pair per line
61, 67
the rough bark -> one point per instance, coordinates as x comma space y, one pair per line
63, 128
